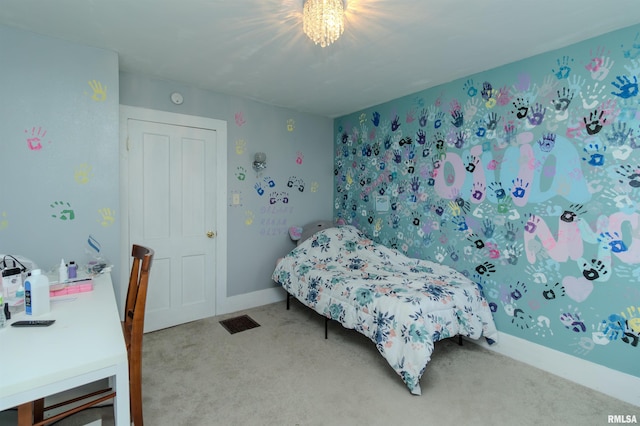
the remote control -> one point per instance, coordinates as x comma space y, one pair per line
33, 323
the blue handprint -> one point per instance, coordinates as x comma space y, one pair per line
573, 322
395, 221
488, 228
614, 241
498, 190
453, 253
520, 190
438, 121
511, 231
470, 88
619, 133
487, 91
269, 182
537, 115
460, 222
395, 124
458, 118
595, 159
259, 189
376, 118
423, 118
626, 87
516, 288
387, 142
492, 121
547, 142
563, 67
415, 184
478, 191
615, 326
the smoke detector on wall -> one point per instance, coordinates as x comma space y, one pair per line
177, 98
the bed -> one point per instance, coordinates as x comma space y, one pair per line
404, 305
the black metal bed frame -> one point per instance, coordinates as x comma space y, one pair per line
327, 319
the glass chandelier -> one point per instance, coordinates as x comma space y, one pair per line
323, 20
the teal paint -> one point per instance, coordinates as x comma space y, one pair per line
527, 179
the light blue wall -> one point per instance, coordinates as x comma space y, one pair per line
59, 159
527, 179
296, 187
64, 192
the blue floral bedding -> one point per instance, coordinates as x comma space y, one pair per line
402, 304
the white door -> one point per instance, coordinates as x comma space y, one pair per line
172, 197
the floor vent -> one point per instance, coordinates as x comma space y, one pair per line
238, 324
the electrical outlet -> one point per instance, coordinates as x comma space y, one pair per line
235, 199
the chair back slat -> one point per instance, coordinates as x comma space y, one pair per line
133, 324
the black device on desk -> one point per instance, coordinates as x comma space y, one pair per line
33, 323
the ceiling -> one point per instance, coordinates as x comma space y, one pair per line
256, 49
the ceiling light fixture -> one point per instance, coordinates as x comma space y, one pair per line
323, 20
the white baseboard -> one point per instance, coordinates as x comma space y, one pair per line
250, 300
614, 383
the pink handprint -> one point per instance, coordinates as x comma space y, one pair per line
240, 119
36, 137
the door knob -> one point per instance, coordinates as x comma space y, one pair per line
211, 234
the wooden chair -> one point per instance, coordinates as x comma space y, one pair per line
133, 325
132, 328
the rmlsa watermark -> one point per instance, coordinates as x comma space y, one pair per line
622, 418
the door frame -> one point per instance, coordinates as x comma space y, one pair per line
220, 126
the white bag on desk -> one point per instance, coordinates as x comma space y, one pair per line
14, 272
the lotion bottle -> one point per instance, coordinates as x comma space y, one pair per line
63, 274
72, 271
36, 294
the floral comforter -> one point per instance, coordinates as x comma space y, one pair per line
402, 304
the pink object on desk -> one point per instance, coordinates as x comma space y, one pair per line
73, 288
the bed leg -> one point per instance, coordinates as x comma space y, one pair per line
326, 328
460, 339
288, 298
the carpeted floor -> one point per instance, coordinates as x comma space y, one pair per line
285, 373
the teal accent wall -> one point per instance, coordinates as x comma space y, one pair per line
527, 179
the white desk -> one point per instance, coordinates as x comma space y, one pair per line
85, 344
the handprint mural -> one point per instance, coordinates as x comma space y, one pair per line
527, 180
